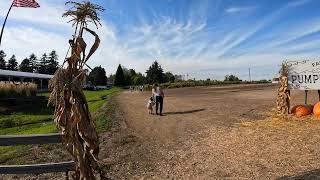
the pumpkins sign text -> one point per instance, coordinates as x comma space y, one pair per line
304, 75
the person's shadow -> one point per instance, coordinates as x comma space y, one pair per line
184, 112
309, 175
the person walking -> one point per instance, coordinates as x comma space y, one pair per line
158, 95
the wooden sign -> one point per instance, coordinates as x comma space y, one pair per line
304, 75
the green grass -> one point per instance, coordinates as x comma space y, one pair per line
38, 120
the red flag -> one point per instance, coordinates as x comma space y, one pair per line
25, 3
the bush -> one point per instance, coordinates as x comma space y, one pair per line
7, 123
193, 83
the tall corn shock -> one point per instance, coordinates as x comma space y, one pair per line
283, 96
71, 115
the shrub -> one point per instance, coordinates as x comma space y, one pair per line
7, 123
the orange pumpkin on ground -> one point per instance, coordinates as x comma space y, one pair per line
316, 110
302, 110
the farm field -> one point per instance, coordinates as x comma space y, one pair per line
211, 133
36, 118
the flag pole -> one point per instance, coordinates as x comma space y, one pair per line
4, 23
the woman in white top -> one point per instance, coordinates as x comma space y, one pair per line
158, 95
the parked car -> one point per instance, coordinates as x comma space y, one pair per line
108, 86
89, 86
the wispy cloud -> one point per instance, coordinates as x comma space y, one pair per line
298, 2
238, 9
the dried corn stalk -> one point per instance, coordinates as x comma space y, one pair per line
283, 97
71, 114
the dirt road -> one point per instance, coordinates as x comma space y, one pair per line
210, 133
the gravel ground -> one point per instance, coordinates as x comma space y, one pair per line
212, 133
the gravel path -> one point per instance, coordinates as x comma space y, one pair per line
211, 133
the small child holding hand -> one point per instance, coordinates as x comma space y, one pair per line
150, 105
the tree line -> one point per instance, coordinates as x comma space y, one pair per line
46, 64
154, 74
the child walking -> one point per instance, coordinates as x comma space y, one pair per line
150, 105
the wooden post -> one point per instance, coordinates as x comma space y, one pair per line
305, 96
67, 175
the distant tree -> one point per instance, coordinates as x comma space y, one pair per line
12, 63
33, 62
42, 65
132, 72
178, 78
139, 79
231, 78
2, 60
128, 75
119, 79
169, 77
52, 64
98, 76
25, 66
111, 79
155, 73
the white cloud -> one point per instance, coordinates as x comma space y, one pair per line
49, 13
238, 9
298, 2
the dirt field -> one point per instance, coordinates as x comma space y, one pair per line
211, 133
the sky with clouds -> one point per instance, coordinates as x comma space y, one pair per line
201, 38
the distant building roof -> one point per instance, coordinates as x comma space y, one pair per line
7, 73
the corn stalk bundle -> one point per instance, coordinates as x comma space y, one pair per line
283, 96
71, 115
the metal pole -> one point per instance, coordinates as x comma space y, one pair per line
4, 23
249, 74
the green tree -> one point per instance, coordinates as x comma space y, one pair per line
169, 77
139, 79
128, 75
33, 62
231, 78
119, 79
155, 73
98, 76
52, 64
2, 60
42, 66
12, 63
111, 79
25, 66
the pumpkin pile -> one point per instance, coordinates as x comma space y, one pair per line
304, 110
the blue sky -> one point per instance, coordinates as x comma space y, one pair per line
201, 38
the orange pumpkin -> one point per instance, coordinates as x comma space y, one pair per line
316, 109
302, 110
